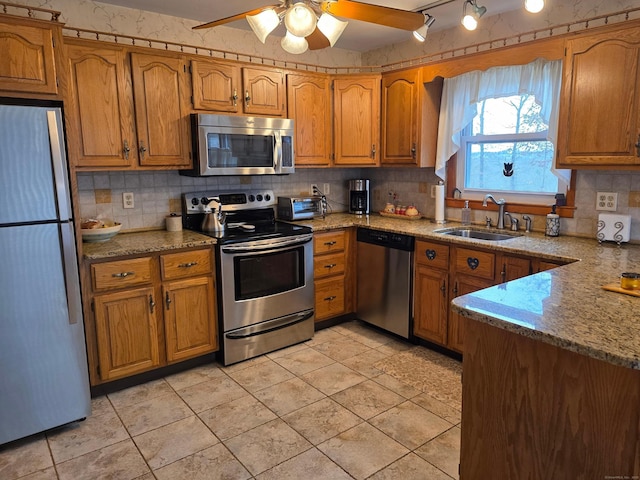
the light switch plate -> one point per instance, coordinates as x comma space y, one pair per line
607, 201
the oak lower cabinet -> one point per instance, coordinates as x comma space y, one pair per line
431, 291
150, 311
28, 60
232, 88
116, 98
599, 123
332, 281
309, 105
356, 120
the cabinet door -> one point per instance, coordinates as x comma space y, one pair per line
190, 318
308, 99
330, 297
264, 91
462, 285
356, 103
400, 117
600, 107
27, 62
514, 267
161, 115
430, 304
127, 332
215, 86
100, 108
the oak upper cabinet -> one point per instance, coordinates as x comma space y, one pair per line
99, 110
27, 62
162, 113
308, 104
231, 88
600, 103
410, 113
431, 291
356, 120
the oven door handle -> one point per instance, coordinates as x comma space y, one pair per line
250, 247
270, 326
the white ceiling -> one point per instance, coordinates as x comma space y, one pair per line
358, 36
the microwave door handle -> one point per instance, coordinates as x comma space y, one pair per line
277, 151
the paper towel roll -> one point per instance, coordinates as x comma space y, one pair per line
440, 204
174, 223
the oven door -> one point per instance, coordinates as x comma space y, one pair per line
265, 280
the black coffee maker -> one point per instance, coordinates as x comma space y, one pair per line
359, 197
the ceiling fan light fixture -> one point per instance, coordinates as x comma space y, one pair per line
421, 33
263, 23
293, 44
331, 27
533, 6
470, 19
300, 20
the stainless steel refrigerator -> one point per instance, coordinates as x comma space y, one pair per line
43, 366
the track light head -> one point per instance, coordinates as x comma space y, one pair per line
421, 33
470, 17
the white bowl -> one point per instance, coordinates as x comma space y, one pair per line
108, 230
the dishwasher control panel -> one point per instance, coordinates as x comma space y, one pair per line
396, 241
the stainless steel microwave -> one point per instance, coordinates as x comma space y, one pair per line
237, 145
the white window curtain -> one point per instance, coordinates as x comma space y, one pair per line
460, 95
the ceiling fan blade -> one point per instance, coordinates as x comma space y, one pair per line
317, 40
387, 16
233, 18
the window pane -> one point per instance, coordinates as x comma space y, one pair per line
517, 114
530, 161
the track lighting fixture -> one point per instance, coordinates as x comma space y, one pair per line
471, 15
421, 33
533, 6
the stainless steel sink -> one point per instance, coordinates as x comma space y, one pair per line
478, 234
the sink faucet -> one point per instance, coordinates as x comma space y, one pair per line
501, 206
514, 221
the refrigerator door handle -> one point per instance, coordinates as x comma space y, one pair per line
70, 265
58, 156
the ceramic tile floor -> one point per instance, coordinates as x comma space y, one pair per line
318, 410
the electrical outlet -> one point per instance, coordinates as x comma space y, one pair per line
607, 201
326, 188
313, 188
127, 200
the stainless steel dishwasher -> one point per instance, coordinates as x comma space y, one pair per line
385, 279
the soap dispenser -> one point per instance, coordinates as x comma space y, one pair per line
552, 228
466, 213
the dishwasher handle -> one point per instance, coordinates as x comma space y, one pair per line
395, 241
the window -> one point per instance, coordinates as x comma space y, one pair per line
505, 150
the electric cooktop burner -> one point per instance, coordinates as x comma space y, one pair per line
250, 215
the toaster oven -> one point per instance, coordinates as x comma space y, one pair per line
301, 208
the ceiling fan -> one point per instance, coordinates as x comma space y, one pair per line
312, 24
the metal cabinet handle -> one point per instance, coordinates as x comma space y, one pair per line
503, 273
152, 304
455, 289
443, 288
332, 297
235, 97
122, 274
329, 244
413, 150
431, 254
143, 150
247, 98
126, 149
188, 265
330, 265
473, 262
167, 300
637, 145
373, 151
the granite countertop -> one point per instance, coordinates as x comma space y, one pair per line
144, 242
565, 307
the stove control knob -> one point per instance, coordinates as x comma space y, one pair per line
252, 198
267, 197
259, 197
195, 201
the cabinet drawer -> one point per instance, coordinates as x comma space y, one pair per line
326, 265
433, 255
124, 273
475, 263
328, 242
185, 264
329, 297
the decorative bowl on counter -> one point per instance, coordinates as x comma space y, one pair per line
100, 230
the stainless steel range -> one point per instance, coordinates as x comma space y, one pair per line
264, 270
